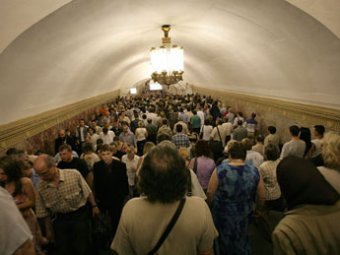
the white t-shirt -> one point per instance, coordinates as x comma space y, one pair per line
14, 231
131, 168
142, 223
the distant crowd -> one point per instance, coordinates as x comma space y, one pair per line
178, 174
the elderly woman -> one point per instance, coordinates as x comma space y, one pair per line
163, 184
311, 225
331, 157
232, 192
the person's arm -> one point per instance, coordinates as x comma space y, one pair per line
261, 193
28, 189
27, 248
49, 229
92, 201
211, 252
212, 187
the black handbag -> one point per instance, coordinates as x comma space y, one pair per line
216, 147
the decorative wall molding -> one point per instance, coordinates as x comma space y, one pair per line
20, 130
277, 112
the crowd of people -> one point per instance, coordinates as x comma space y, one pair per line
172, 175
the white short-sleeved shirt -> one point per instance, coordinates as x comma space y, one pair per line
14, 231
142, 223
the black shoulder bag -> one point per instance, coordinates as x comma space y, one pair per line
168, 228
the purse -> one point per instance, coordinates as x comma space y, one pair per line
168, 228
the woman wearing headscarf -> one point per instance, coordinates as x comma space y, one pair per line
311, 224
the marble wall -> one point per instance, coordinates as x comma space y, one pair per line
39, 131
278, 113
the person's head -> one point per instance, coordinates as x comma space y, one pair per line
106, 153
260, 138
239, 122
319, 131
179, 128
91, 130
162, 176
237, 151
45, 167
253, 115
164, 122
130, 151
147, 147
26, 169
163, 137
331, 150
99, 141
65, 153
302, 183
125, 127
272, 130
294, 130
93, 123
3, 161
149, 121
140, 123
305, 134
271, 152
12, 151
61, 133
184, 153
105, 130
88, 148
202, 148
82, 122
247, 144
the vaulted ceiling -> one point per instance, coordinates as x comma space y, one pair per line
56, 52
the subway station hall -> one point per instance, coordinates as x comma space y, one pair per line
208, 127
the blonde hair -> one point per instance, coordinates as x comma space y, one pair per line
147, 147
331, 150
184, 153
229, 145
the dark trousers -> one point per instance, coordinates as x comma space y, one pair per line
73, 233
140, 147
114, 212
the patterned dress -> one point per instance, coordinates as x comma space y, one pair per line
232, 207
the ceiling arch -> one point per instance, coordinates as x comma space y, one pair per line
81, 49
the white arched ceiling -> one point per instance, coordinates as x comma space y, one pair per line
87, 48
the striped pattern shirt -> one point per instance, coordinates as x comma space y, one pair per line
268, 174
70, 194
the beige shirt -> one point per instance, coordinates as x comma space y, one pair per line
142, 223
309, 230
71, 194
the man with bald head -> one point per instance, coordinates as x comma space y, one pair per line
66, 195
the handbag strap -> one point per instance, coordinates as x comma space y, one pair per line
168, 228
195, 165
219, 133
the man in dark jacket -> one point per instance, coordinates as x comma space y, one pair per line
110, 186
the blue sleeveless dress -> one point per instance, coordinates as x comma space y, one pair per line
232, 207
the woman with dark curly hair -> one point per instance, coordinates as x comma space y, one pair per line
22, 190
163, 186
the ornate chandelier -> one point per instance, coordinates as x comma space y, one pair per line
167, 61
